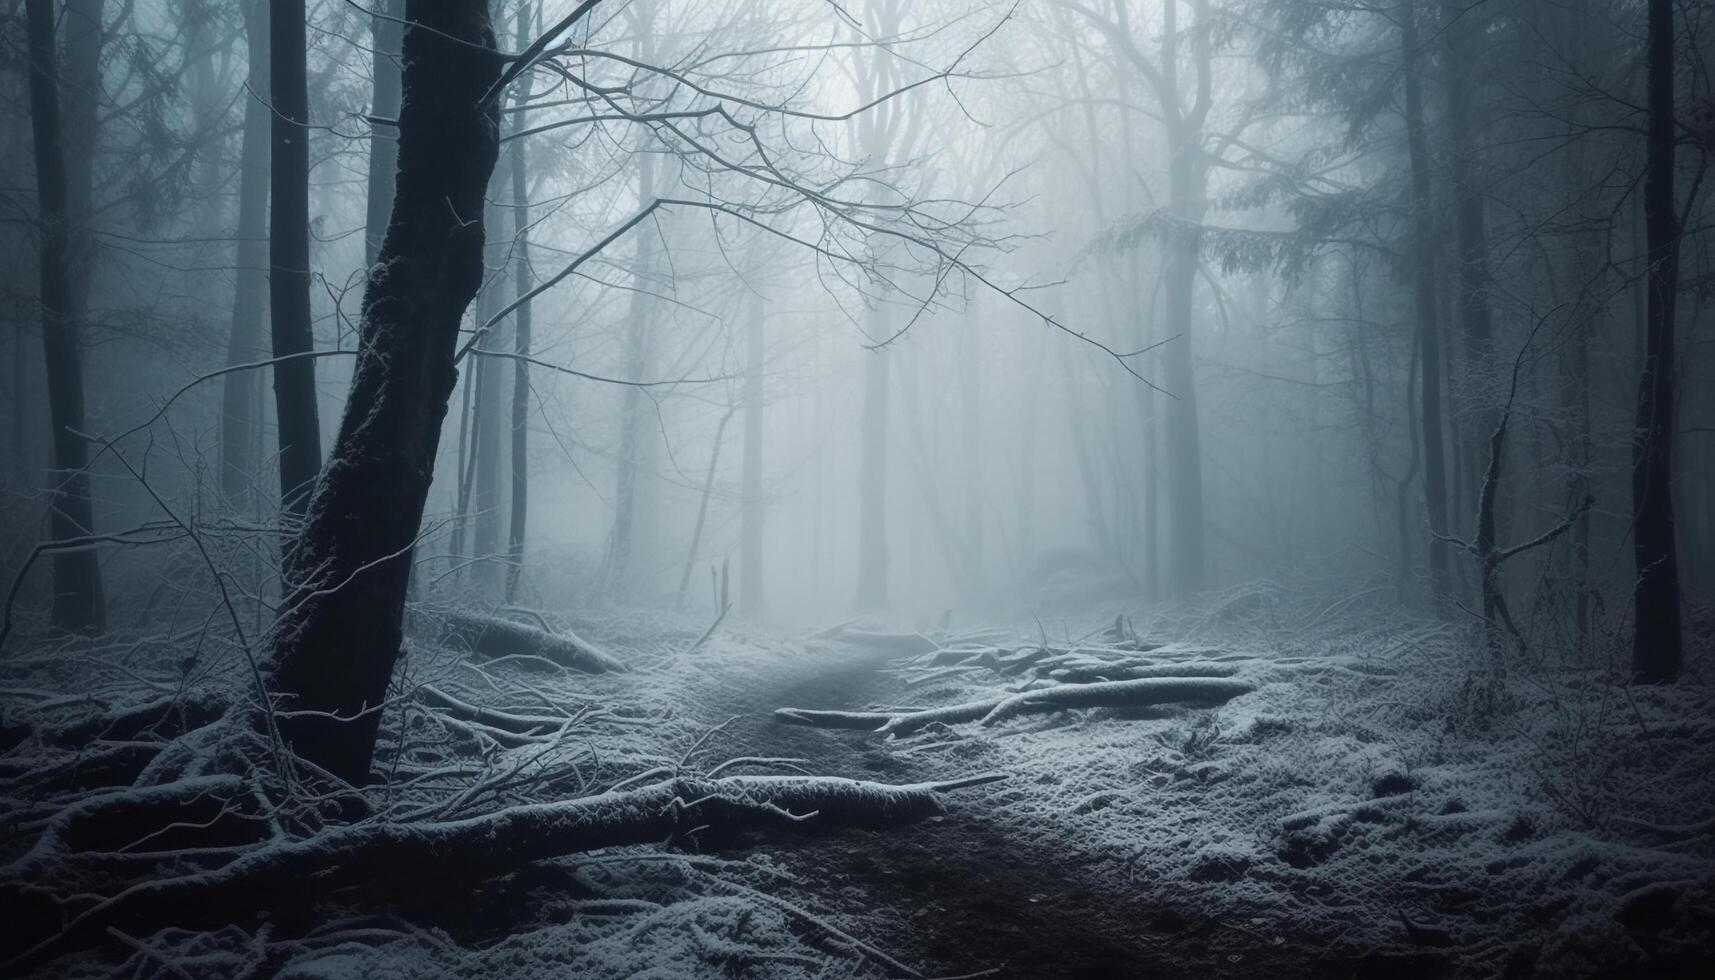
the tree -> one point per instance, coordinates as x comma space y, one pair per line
1656, 652
78, 601
289, 258
750, 593
1184, 113
521, 339
1428, 329
386, 32
239, 393
338, 634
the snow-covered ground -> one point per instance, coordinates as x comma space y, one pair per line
1380, 803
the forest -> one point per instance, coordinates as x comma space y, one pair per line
857, 488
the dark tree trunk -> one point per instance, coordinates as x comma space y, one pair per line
1460, 70
520, 337
289, 259
240, 392
387, 33
1428, 329
339, 632
78, 602
750, 593
81, 97
1656, 652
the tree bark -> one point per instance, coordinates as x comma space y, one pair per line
1656, 652
1428, 329
240, 394
289, 259
338, 634
78, 600
752, 601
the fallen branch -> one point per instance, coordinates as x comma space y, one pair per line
492, 637
490, 717
390, 857
1137, 693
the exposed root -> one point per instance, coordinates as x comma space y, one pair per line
379, 857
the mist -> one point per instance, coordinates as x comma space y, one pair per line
1064, 488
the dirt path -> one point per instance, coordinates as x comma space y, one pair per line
977, 890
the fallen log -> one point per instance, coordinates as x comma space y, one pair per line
383, 858
492, 638
1141, 693
1137, 693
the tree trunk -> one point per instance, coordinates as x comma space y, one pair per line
752, 601
703, 502
1656, 652
289, 259
970, 400
1428, 330
387, 32
240, 392
622, 581
81, 90
1184, 453
1460, 25
872, 472
338, 635
520, 337
488, 408
78, 601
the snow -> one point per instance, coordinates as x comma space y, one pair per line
1547, 817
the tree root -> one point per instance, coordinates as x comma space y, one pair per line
163, 718
492, 637
1136, 693
380, 858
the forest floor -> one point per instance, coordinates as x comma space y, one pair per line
1373, 807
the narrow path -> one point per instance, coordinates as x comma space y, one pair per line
977, 890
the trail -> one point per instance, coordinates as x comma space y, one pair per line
982, 888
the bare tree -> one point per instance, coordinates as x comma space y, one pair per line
289, 258
339, 632
78, 601
1656, 653
240, 394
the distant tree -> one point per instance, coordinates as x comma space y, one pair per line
751, 596
289, 258
1424, 297
521, 331
239, 389
78, 601
1657, 656
387, 31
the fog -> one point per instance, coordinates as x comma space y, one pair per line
1264, 327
